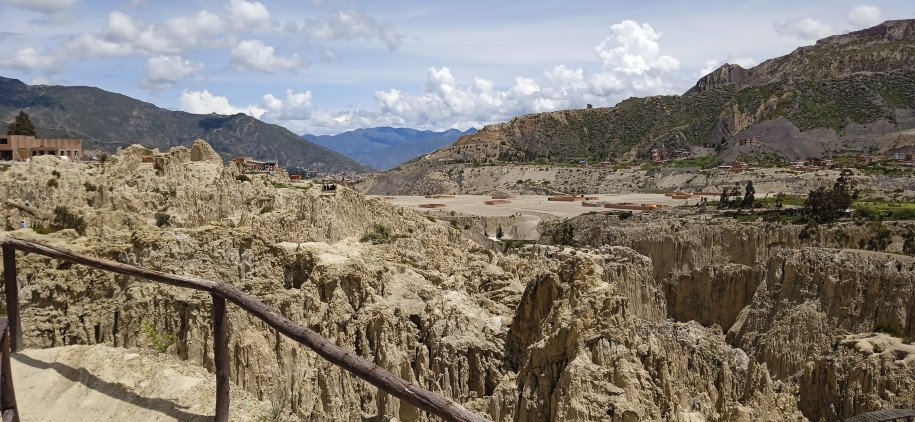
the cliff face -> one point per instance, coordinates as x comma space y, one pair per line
808, 313
595, 348
661, 320
727, 74
881, 48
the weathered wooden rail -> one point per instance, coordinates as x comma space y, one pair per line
886, 415
220, 292
8, 411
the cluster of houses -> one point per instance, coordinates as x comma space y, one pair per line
252, 166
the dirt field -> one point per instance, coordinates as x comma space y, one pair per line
536, 205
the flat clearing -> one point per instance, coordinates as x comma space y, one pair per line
536, 205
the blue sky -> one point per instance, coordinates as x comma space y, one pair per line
325, 67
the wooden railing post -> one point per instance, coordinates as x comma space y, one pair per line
221, 358
387, 381
8, 409
12, 298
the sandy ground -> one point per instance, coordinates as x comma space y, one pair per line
535, 205
99, 383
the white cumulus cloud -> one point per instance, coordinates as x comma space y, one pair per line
125, 35
255, 55
163, 72
249, 15
350, 25
203, 102
29, 59
293, 106
629, 62
864, 16
804, 28
634, 48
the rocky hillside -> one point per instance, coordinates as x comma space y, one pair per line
882, 48
846, 94
107, 121
674, 319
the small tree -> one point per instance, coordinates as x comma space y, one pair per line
21, 126
66, 219
736, 194
499, 233
750, 196
827, 205
723, 199
908, 242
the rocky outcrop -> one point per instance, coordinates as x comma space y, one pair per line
727, 74
863, 373
658, 317
810, 296
587, 354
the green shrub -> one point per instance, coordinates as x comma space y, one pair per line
243, 178
380, 234
41, 228
66, 219
90, 187
881, 239
52, 183
889, 327
160, 341
55, 173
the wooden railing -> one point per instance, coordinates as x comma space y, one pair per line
220, 292
885, 415
8, 410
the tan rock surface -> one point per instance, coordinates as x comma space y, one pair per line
98, 383
663, 318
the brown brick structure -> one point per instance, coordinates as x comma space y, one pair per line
22, 147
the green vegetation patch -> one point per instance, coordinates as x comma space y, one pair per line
704, 162
380, 234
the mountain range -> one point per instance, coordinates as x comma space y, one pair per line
383, 148
106, 121
846, 94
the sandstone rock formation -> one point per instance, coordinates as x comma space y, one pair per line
673, 320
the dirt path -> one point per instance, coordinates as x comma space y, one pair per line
99, 383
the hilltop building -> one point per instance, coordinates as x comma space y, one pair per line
22, 147
250, 165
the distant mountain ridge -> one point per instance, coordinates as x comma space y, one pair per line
841, 93
384, 148
882, 48
845, 95
106, 121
